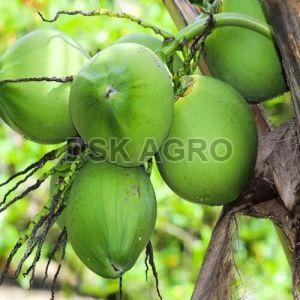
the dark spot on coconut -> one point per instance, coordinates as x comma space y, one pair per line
116, 269
110, 90
139, 192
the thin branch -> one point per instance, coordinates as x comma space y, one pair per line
63, 253
4, 272
17, 185
33, 187
121, 288
54, 154
43, 221
59, 242
51, 218
31, 244
38, 79
106, 12
147, 265
149, 250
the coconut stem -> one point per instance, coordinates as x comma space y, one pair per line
52, 155
150, 254
33, 187
194, 51
38, 229
31, 231
211, 7
219, 20
38, 79
146, 265
31, 173
112, 14
121, 288
216, 5
64, 239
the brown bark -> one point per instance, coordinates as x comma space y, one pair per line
285, 19
261, 200
274, 191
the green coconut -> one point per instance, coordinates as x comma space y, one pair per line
110, 216
245, 59
210, 153
146, 40
150, 42
124, 95
40, 110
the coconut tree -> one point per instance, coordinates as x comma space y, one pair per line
273, 192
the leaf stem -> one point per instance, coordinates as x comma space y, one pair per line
220, 20
112, 14
37, 79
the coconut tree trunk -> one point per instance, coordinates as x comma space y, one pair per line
274, 192
285, 19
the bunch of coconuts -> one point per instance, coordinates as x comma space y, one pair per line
126, 92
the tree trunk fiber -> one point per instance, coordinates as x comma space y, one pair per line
285, 19
274, 192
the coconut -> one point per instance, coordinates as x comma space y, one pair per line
245, 59
122, 103
210, 153
110, 216
40, 110
150, 42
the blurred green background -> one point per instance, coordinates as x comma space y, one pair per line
183, 229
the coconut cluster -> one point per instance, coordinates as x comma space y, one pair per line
124, 105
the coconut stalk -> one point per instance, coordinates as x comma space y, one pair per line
273, 193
